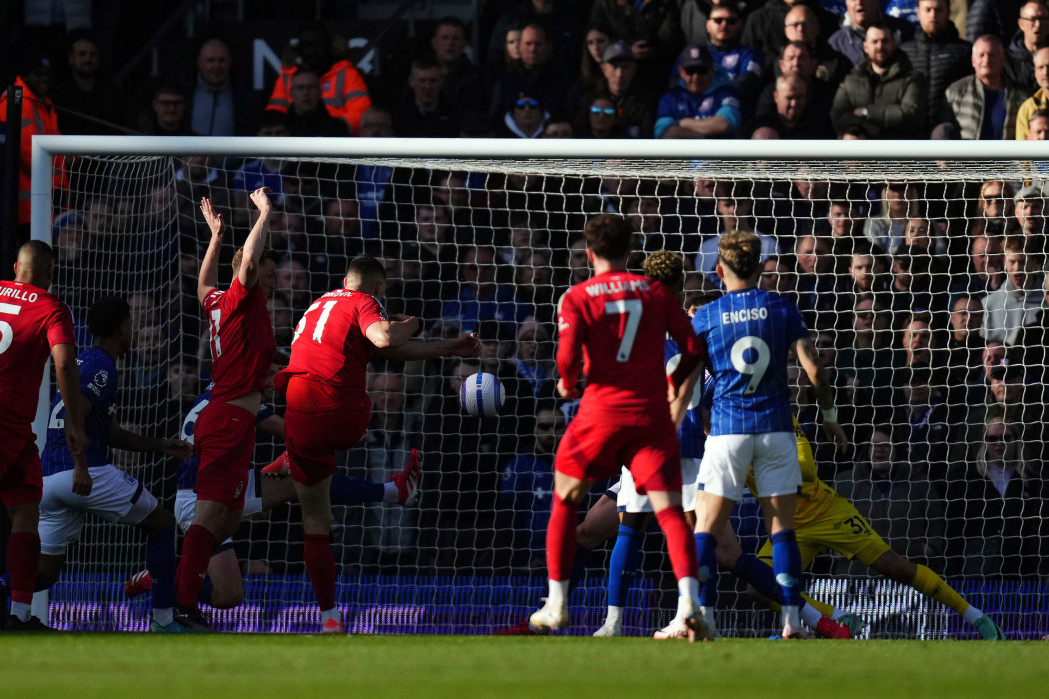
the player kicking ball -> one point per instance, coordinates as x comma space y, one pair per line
618, 321
224, 585
108, 493
747, 334
328, 407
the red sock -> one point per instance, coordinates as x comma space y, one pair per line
23, 559
680, 543
196, 553
561, 539
320, 564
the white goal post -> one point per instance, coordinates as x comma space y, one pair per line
680, 195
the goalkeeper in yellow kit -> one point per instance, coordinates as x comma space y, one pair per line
825, 519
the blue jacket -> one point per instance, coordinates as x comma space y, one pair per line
720, 99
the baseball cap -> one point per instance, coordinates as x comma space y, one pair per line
696, 56
619, 51
1028, 192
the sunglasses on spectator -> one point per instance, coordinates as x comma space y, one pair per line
527, 104
694, 70
607, 111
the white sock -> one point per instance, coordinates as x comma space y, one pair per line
163, 616
389, 492
810, 615
970, 615
20, 610
790, 617
615, 615
688, 590
558, 593
332, 613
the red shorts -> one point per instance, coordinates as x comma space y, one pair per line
596, 448
224, 438
312, 435
21, 478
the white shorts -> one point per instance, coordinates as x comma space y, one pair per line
630, 501
115, 497
186, 504
728, 457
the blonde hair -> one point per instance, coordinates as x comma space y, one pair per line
741, 252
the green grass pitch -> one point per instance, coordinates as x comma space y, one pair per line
232, 666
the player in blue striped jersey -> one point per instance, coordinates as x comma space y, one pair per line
113, 495
224, 585
748, 334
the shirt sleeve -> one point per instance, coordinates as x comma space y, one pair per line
371, 311
570, 336
60, 329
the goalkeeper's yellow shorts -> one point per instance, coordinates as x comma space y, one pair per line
840, 527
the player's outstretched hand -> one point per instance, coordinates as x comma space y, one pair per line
211, 217
179, 448
466, 346
261, 200
564, 392
82, 481
838, 434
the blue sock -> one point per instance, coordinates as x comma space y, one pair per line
160, 560
624, 560
205, 591
5, 585
582, 557
706, 550
786, 564
346, 490
759, 575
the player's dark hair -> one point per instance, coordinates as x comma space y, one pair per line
367, 268
667, 267
267, 254
608, 236
740, 252
106, 315
41, 252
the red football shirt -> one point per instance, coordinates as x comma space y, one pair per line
330, 344
617, 323
242, 344
31, 322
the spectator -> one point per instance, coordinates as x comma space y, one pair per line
995, 202
796, 57
462, 84
816, 281
882, 92
526, 118
794, 116
86, 92
341, 88
559, 20
1038, 128
652, 28
801, 24
558, 127
635, 115
263, 172
537, 75
218, 106
987, 262
991, 17
923, 417
703, 105
900, 202
1039, 100
764, 27
510, 56
896, 499
307, 115
735, 207
965, 378
481, 297
984, 105
743, 64
1034, 32
938, 53
865, 363
596, 40
851, 39
1019, 301
424, 111
166, 114
1029, 205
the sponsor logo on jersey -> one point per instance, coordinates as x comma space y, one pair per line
729, 60
706, 104
101, 378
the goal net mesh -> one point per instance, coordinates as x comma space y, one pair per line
903, 272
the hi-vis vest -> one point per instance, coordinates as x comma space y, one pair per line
38, 118
342, 88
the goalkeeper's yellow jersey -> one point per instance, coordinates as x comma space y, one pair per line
814, 496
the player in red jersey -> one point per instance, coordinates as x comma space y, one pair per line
616, 323
32, 324
242, 349
328, 407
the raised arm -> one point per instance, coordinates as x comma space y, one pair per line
813, 367
462, 346
76, 439
209, 268
391, 334
248, 274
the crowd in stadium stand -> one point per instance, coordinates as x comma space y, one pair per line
927, 300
